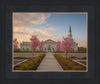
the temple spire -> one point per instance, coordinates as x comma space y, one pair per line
70, 27
70, 33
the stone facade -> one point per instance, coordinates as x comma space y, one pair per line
25, 46
49, 45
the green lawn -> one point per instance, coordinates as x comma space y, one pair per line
29, 52
69, 52
73, 57
45, 52
20, 58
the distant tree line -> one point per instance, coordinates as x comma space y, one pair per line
82, 49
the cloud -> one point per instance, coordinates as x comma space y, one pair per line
24, 19
47, 31
24, 34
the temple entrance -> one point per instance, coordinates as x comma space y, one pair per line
49, 45
49, 48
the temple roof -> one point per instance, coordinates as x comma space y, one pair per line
49, 40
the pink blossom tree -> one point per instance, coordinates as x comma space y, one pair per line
15, 44
34, 43
41, 46
67, 45
58, 46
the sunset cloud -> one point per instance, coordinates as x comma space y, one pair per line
43, 34
23, 19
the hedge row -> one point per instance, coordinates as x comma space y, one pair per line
68, 64
31, 64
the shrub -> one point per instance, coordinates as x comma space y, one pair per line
68, 64
77, 68
84, 58
31, 64
73, 57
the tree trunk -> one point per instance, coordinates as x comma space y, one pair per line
66, 55
32, 53
40, 52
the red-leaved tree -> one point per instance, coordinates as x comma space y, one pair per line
67, 45
41, 46
34, 43
15, 44
58, 46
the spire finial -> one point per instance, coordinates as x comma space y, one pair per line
70, 24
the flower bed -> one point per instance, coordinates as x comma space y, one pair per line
68, 64
31, 64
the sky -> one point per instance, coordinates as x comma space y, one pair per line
52, 26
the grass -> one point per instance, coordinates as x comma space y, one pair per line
73, 57
70, 52
58, 51
31, 64
22, 51
68, 64
79, 52
28, 52
20, 58
45, 52
84, 58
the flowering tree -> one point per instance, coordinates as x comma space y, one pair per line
41, 46
15, 44
34, 43
58, 46
67, 45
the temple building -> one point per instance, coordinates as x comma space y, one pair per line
49, 45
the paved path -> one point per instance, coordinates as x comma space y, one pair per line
18, 60
49, 63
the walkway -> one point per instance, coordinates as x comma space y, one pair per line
49, 63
